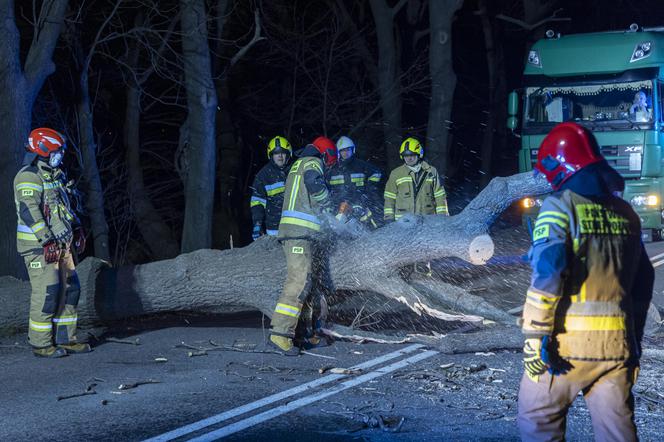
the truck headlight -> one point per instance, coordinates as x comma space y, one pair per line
645, 200
641, 51
528, 203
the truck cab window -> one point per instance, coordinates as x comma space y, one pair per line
612, 105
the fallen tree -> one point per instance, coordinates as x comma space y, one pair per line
250, 278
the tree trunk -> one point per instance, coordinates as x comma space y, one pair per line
94, 201
389, 84
497, 93
15, 110
156, 233
251, 278
443, 81
229, 149
202, 106
19, 86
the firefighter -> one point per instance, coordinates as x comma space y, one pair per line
306, 199
591, 286
267, 194
356, 183
415, 186
48, 229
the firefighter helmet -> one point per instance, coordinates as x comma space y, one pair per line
44, 141
345, 143
279, 144
568, 148
327, 148
412, 146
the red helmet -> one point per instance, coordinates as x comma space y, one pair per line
43, 141
567, 149
326, 147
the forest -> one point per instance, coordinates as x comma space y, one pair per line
167, 106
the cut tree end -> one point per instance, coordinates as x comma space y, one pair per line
481, 249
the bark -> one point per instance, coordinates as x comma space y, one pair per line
250, 278
20, 86
389, 85
202, 106
443, 81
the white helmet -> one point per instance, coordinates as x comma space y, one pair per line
345, 143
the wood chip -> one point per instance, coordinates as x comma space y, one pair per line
193, 354
349, 371
136, 384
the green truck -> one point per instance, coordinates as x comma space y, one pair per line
613, 84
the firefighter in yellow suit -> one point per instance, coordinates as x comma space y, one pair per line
591, 286
306, 198
414, 187
47, 229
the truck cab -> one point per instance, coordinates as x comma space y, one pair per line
613, 84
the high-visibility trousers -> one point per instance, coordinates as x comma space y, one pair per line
301, 297
607, 390
55, 291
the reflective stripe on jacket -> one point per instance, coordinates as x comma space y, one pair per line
356, 182
584, 257
299, 216
35, 188
402, 195
267, 196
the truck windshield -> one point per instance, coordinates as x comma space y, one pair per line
609, 106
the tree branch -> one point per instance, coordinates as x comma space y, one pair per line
256, 38
531, 26
38, 63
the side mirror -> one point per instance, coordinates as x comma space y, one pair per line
512, 110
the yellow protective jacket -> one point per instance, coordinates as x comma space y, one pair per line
42, 207
409, 192
589, 288
305, 197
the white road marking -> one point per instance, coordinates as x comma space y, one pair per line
196, 426
652, 258
658, 263
299, 403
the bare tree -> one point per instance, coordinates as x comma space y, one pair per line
443, 80
230, 146
497, 93
389, 84
155, 231
202, 106
88, 147
20, 84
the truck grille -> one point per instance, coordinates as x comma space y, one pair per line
626, 159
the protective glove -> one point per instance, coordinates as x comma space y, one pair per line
51, 252
63, 238
532, 358
364, 215
256, 233
79, 240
